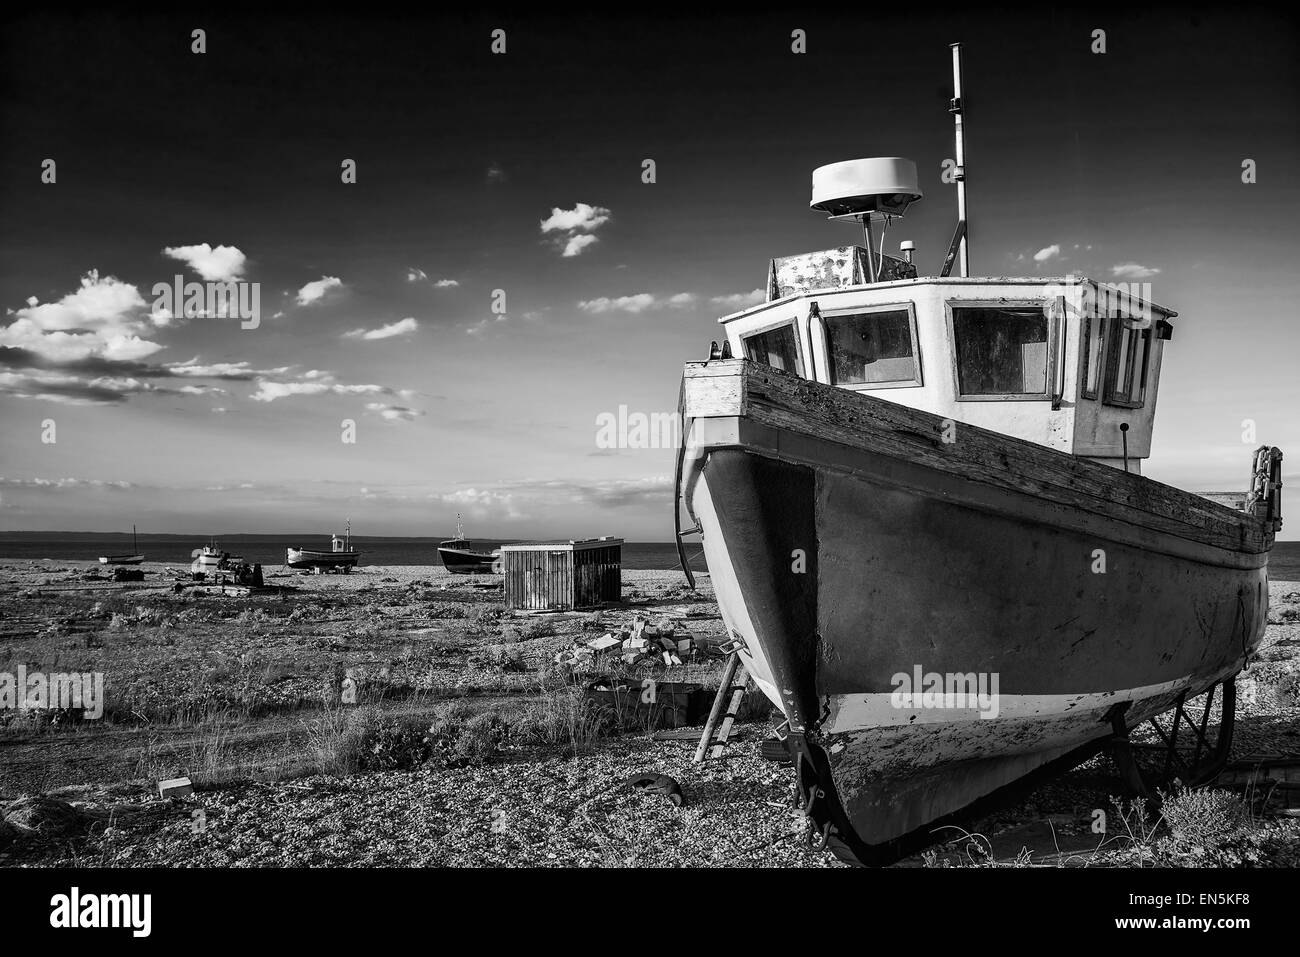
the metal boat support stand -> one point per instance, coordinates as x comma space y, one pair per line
1208, 755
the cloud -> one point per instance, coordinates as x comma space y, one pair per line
576, 227
313, 291
582, 217
312, 383
640, 302
234, 371
575, 244
82, 390
740, 300
222, 263
446, 283
58, 483
496, 174
483, 325
400, 328
103, 379
1047, 252
533, 496
394, 412
102, 317
414, 275
1133, 271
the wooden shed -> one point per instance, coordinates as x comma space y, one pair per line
558, 575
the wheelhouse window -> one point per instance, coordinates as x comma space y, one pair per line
1127, 363
874, 348
1094, 347
776, 347
1001, 350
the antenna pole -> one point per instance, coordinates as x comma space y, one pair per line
871, 253
956, 108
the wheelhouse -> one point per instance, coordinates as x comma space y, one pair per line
1072, 364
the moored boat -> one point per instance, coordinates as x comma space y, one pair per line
462, 556
135, 558
923, 513
340, 556
210, 559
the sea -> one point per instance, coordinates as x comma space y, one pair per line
1283, 563
269, 549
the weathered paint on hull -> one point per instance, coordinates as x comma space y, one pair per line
460, 561
306, 558
904, 569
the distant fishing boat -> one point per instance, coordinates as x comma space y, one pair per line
210, 559
924, 517
461, 556
341, 554
133, 559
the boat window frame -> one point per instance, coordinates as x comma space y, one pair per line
864, 310
1084, 355
1054, 346
1110, 395
801, 358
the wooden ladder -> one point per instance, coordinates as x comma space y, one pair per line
726, 705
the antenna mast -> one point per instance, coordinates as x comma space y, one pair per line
957, 107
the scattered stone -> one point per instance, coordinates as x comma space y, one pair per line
660, 784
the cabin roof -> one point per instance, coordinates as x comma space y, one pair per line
577, 544
939, 281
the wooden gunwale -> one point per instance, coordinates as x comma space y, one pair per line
866, 423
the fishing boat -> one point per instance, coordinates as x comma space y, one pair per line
210, 559
922, 507
462, 556
135, 558
340, 556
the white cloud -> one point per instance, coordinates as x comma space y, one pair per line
483, 325
536, 496
102, 317
576, 243
636, 303
1133, 271
222, 370
1047, 252
313, 291
394, 413
221, 263
739, 300
577, 226
446, 283
400, 328
314, 382
582, 218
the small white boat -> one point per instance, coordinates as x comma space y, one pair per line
134, 559
208, 560
341, 554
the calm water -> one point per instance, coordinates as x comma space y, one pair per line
1284, 563
269, 549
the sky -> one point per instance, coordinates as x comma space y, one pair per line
499, 274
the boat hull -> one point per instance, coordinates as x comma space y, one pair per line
465, 561
853, 576
121, 559
309, 558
